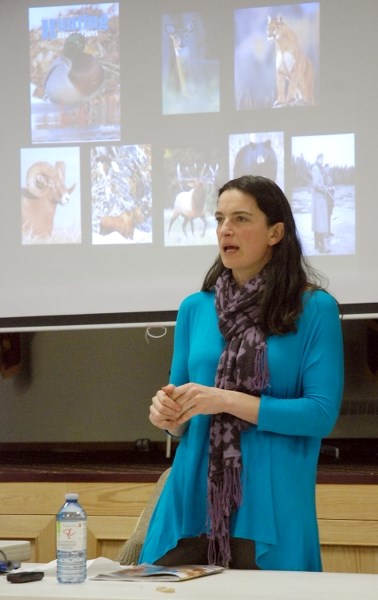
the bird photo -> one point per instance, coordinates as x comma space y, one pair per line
76, 76
74, 73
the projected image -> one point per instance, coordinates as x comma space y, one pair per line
50, 196
74, 73
121, 194
192, 180
190, 65
257, 154
323, 197
277, 56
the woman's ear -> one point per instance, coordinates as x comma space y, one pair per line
276, 233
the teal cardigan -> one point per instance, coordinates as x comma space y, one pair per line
279, 455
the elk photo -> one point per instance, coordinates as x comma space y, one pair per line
186, 223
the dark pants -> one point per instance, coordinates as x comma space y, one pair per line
193, 551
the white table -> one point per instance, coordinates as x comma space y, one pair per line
229, 585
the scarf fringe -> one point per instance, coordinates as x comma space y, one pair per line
224, 497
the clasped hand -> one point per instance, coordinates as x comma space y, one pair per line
173, 406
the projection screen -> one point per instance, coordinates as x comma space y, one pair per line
121, 120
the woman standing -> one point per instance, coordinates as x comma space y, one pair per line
256, 382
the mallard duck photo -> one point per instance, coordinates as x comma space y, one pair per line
76, 76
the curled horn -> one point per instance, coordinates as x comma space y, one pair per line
38, 176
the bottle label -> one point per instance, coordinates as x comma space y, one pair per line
71, 535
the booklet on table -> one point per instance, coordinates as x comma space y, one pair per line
149, 572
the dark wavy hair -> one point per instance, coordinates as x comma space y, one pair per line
288, 273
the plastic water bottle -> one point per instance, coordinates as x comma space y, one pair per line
71, 541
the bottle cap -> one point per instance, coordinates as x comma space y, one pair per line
71, 496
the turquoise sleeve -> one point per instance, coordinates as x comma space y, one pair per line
313, 359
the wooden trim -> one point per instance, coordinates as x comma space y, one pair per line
348, 533
339, 501
112, 528
113, 499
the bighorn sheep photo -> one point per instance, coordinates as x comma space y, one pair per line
45, 189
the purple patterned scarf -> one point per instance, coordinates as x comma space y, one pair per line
242, 367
